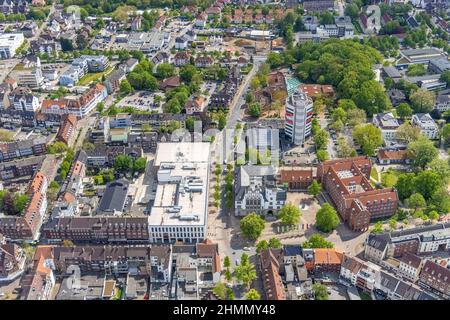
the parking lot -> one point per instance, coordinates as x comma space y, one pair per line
142, 100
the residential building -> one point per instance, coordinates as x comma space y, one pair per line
39, 282
12, 261
436, 277
80, 106
181, 43
195, 104
296, 178
442, 101
22, 99
181, 58
256, 190
327, 260
114, 198
271, 261
357, 201
179, 212
388, 124
386, 157
9, 43
22, 148
396, 96
318, 5
410, 266
439, 65
350, 267
113, 80
427, 125
298, 117
99, 229
420, 241
311, 22
67, 129
26, 226
204, 61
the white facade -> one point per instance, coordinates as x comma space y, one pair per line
408, 271
9, 43
299, 109
26, 102
388, 125
426, 124
180, 209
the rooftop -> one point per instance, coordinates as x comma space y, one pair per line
182, 191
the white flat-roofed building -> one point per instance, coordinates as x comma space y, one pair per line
388, 125
9, 43
180, 208
426, 124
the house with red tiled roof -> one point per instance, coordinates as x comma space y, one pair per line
170, 83
67, 129
26, 225
327, 260
270, 263
39, 282
196, 104
387, 157
208, 258
297, 178
181, 58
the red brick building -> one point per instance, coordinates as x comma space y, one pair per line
357, 201
296, 178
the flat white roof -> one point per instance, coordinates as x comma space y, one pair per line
182, 152
182, 192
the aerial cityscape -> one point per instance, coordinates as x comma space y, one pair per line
224, 150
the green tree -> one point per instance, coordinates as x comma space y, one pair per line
57, 147
261, 245
275, 243
165, 70
317, 241
355, 116
404, 110
440, 200
433, 215
139, 165
314, 188
252, 294
378, 227
368, 137
372, 98
125, 87
254, 109
445, 76
321, 139
415, 70
422, 152
427, 183
405, 186
289, 214
408, 132
220, 290
446, 134
252, 226
327, 218
123, 163
339, 114
320, 291
227, 262
322, 155
422, 100
245, 272
416, 201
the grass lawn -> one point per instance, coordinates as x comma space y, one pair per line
90, 77
374, 174
364, 295
358, 29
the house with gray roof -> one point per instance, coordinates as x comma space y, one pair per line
114, 198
